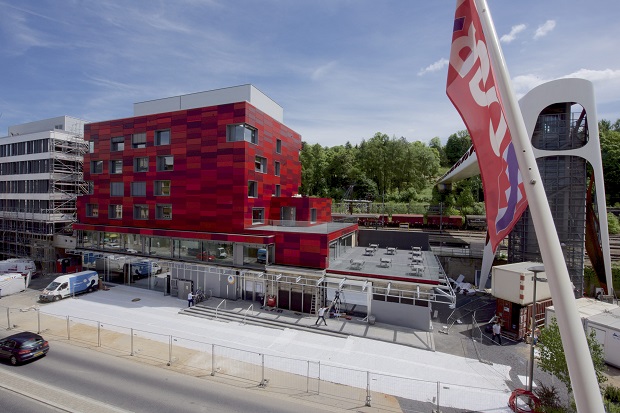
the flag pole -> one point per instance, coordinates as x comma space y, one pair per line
581, 369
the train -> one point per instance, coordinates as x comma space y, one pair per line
469, 222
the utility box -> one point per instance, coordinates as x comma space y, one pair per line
602, 318
607, 328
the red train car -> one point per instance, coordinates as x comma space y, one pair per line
414, 220
446, 222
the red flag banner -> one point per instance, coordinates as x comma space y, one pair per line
472, 89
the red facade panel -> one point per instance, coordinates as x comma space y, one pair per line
209, 176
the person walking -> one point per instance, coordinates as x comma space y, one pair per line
497, 330
190, 299
321, 316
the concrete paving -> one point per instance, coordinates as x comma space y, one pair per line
473, 370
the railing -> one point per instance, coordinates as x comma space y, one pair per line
251, 307
264, 370
218, 307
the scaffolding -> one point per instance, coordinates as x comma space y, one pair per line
565, 182
32, 216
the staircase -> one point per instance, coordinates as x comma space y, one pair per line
261, 317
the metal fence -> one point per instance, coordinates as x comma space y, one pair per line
278, 373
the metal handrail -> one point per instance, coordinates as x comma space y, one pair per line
218, 307
251, 307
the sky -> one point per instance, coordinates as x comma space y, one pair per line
342, 70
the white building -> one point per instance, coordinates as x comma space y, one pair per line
41, 167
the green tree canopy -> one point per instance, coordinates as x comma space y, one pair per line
552, 358
610, 152
456, 146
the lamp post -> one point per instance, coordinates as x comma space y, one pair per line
537, 269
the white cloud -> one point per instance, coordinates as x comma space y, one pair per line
507, 38
595, 75
434, 67
321, 71
545, 28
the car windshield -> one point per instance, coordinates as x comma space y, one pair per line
53, 285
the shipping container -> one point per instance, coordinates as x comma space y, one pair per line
515, 283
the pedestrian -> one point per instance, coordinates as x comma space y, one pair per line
321, 316
190, 299
497, 329
536, 334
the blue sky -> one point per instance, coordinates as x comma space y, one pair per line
341, 69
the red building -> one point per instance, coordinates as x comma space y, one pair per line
211, 176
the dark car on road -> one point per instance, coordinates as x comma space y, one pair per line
24, 346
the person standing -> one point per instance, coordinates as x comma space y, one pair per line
497, 330
190, 299
321, 316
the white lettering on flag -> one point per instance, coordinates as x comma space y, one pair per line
472, 89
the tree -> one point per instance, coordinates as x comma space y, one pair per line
610, 151
552, 358
435, 143
456, 146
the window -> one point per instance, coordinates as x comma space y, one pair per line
138, 189
116, 167
241, 132
138, 140
276, 167
162, 188
278, 146
162, 137
163, 212
258, 215
253, 189
117, 189
312, 214
141, 212
117, 144
96, 167
116, 212
165, 163
141, 164
90, 187
92, 210
260, 164
91, 147
277, 191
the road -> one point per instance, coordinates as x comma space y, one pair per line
116, 384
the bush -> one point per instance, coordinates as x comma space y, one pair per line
612, 394
613, 224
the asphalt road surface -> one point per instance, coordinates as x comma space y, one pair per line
126, 385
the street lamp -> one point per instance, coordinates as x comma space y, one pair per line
537, 269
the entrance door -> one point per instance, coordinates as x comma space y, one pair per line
287, 216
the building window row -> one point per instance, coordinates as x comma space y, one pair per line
25, 167
165, 163
24, 148
138, 140
35, 206
160, 188
39, 186
140, 212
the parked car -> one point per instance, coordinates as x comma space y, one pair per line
23, 346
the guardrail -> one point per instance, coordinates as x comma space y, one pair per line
218, 307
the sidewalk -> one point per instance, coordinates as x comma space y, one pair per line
401, 360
